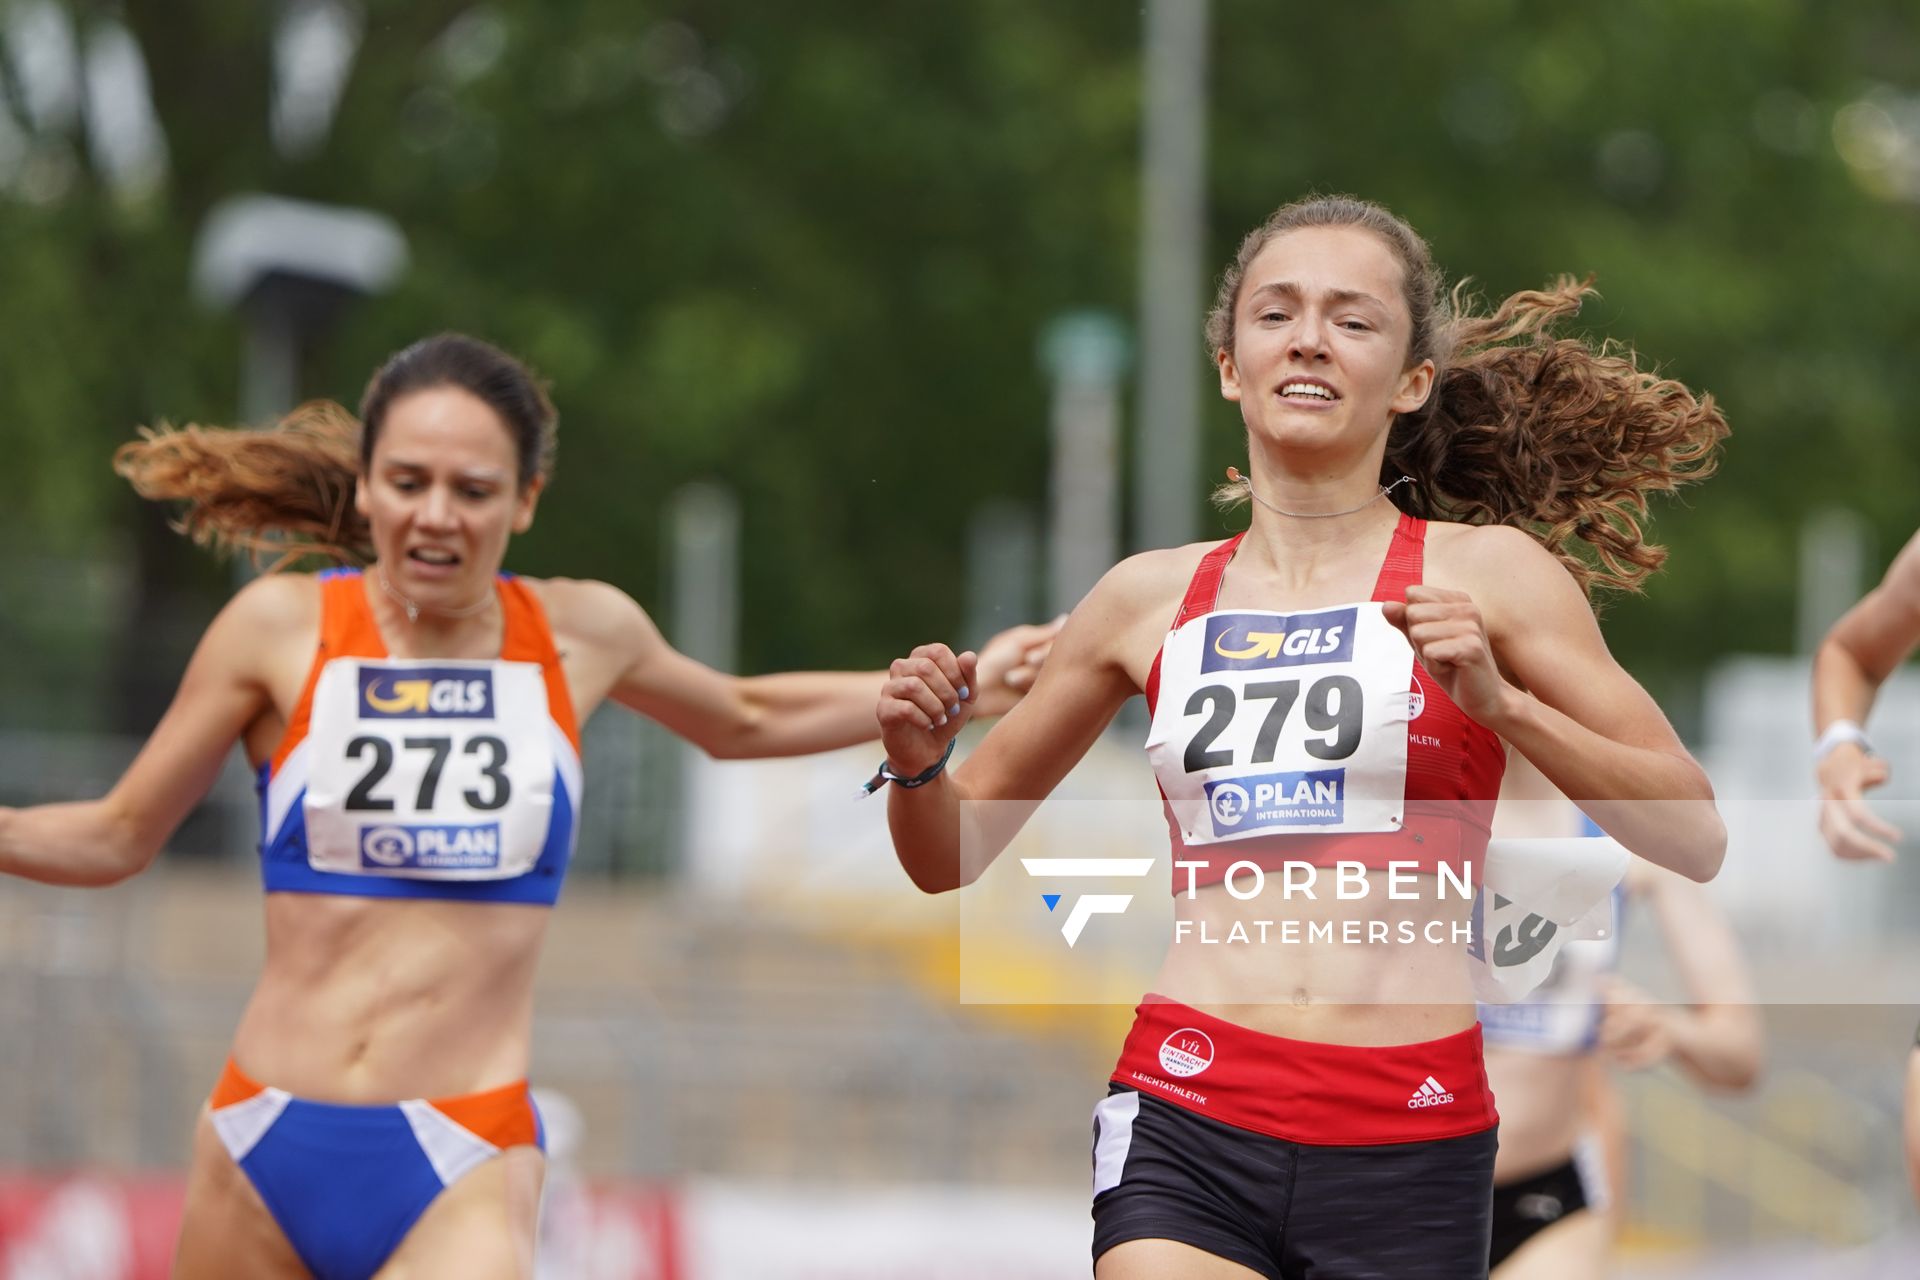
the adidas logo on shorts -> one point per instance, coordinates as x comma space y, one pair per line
1431, 1093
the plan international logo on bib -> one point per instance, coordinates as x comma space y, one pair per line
393, 693
1309, 797
437, 848
1258, 641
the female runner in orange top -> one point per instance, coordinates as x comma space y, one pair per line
416, 731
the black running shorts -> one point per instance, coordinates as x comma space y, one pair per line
1290, 1211
1529, 1206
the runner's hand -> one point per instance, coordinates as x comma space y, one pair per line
1449, 637
1635, 1031
1854, 831
929, 695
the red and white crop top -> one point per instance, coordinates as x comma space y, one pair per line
1314, 737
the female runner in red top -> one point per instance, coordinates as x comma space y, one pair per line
1339, 685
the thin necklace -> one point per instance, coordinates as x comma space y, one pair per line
413, 610
1233, 475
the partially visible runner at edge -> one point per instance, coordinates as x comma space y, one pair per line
1853, 661
1560, 1173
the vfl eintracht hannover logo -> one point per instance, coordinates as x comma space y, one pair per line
1088, 905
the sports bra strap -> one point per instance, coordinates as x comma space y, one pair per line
1406, 556
1205, 587
1405, 562
529, 638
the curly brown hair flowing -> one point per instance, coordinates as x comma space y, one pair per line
286, 492
1523, 427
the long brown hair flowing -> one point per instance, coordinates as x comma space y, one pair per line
1524, 427
286, 492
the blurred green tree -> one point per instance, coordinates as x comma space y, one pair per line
805, 250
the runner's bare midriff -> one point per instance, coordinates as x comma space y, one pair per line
1323, 971
1363, 994
1542, 1112
378, 1000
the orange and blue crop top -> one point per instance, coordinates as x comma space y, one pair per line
427, 778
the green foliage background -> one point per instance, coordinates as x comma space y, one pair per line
806, 250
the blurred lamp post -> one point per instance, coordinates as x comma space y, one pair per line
1003, 570
291, 267
703, 579
1173, 174
1085, 353
703, 537
1833, 560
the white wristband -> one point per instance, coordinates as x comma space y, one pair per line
1836, 733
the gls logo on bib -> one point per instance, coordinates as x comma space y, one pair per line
1257, 641
392, 693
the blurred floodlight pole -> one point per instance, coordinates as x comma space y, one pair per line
704, 537
1003, 552
703, 546
1172, 275
290, 266
1833, 558
1085, 353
